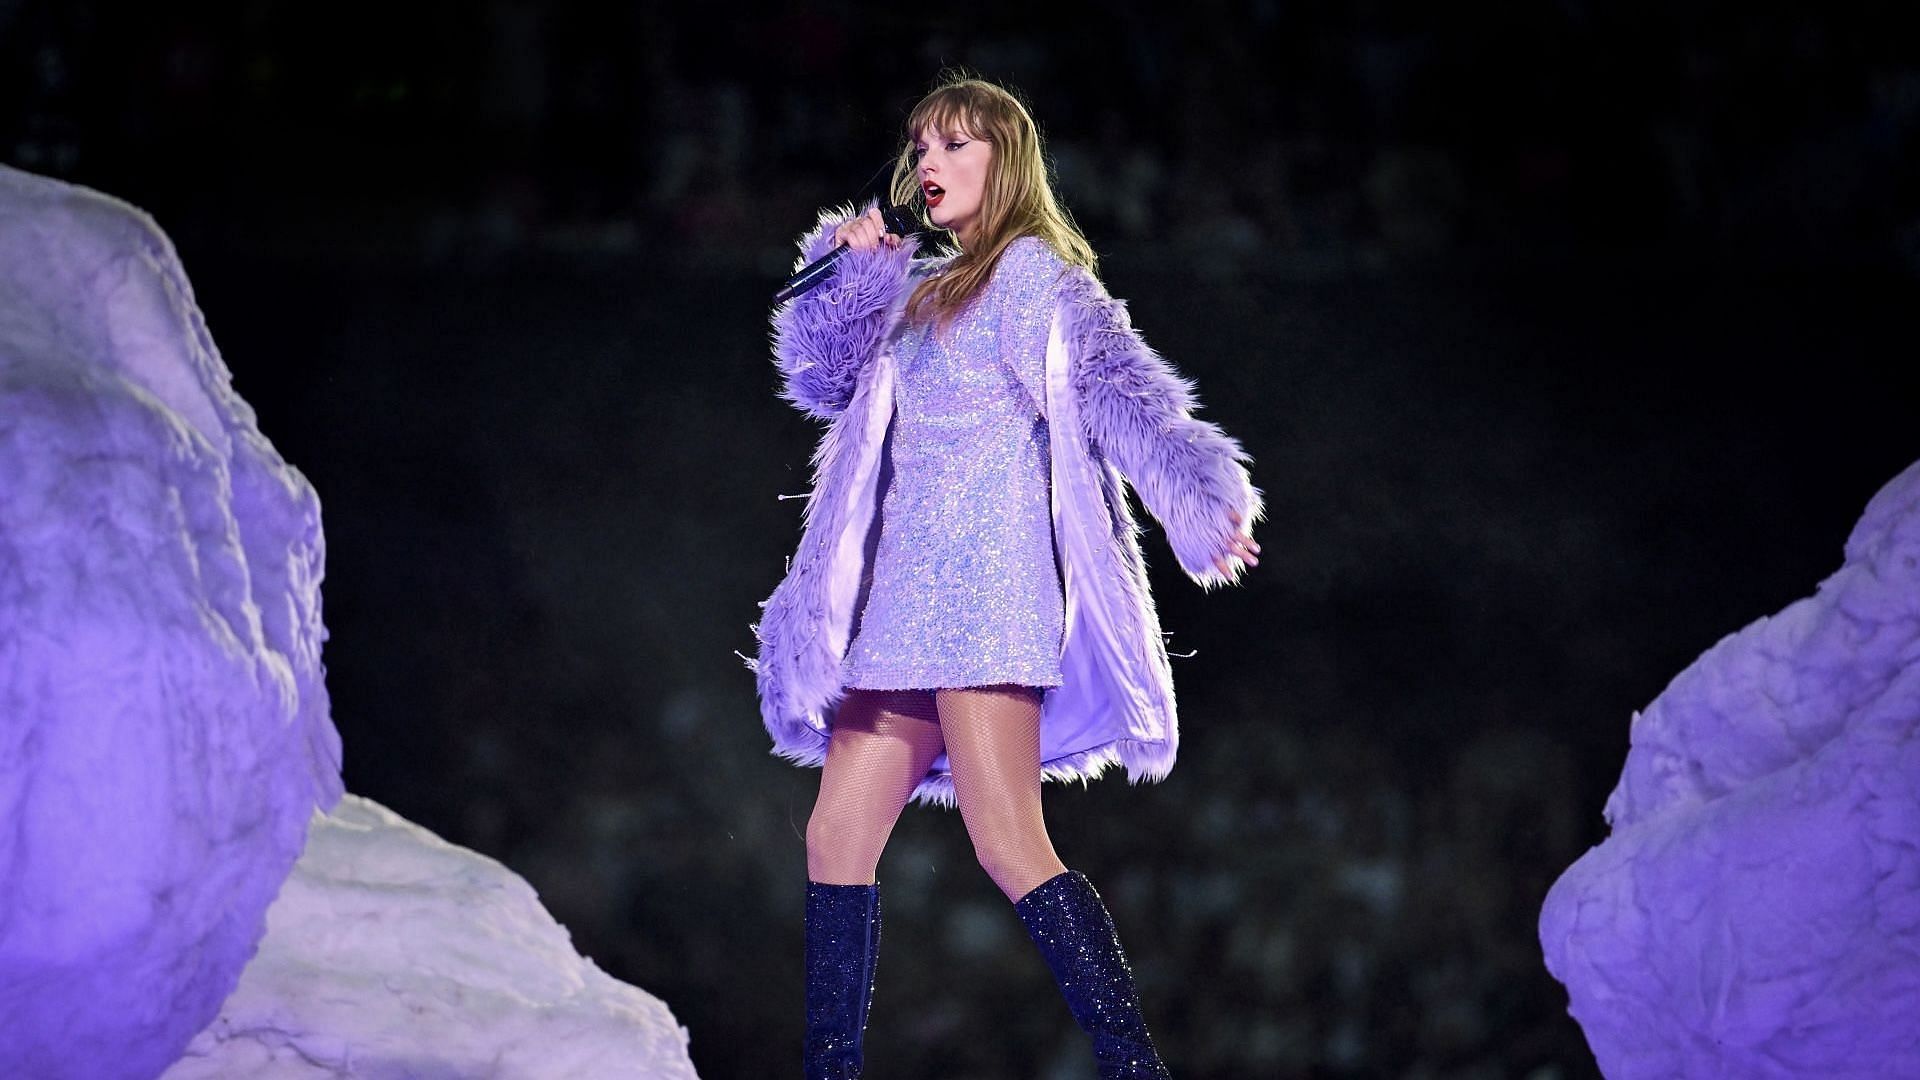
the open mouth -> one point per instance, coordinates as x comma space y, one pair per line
934, 193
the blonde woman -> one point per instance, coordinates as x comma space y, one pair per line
967, 613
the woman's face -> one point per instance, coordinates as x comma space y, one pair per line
952, 168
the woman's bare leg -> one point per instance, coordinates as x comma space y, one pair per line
882, 745
992, 736
993, 742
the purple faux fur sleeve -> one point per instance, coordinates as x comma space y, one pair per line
823, 339
1138, 411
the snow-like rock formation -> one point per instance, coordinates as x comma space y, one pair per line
1755, 912
392, 953
166, 741
164, 730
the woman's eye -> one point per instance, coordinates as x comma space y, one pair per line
952, 146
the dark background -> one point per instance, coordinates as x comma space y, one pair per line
1568, 338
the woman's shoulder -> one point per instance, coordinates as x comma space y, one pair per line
1029, 267
1032, 254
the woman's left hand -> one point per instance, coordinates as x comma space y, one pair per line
1241, 547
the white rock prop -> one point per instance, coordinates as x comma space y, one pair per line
1756, 911
165, 739
164, 729
392, 954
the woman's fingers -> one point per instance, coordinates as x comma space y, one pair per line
865, 232
855, 234
1241, 547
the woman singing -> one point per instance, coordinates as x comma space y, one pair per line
968, 612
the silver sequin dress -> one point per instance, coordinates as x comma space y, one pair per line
965, 590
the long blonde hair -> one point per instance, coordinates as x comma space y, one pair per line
1017, 201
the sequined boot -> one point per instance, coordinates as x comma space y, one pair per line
1065, 917
843, 935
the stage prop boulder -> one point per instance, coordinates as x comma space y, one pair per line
1755, 912
164, 730
166, 742
392, 953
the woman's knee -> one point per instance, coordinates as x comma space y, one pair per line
996, 862
1017, 872
1008, 849
842, 849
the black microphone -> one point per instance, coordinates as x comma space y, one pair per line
899, 221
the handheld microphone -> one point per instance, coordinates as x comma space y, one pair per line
899, 222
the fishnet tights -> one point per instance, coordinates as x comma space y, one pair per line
884, 741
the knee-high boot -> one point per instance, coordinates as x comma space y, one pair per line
1066, 919
843, 936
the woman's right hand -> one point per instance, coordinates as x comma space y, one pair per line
1242, 547
866, 232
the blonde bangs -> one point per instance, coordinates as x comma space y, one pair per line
945, 113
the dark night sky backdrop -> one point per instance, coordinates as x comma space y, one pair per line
1567, 337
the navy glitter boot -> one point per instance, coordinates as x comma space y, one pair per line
1066, 919
843, 934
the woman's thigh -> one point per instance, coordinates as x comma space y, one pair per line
992, 734
882, 745
992, 738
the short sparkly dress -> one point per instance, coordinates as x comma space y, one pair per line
964, 588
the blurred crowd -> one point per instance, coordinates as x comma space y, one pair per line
1355, 132
1315, 908
1397, 735
536, 578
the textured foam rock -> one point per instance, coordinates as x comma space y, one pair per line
393, 953
164, 728
1756, 910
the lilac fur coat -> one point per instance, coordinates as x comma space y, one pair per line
1114, 409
